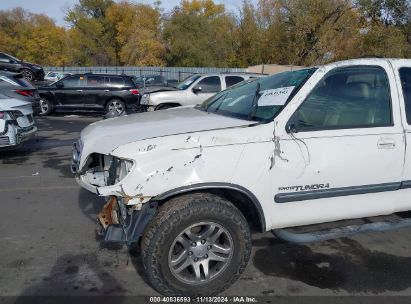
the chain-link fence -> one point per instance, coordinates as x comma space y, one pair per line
171, 73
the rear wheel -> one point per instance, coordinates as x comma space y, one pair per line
197, 244
115, 105
27, 74
45, 106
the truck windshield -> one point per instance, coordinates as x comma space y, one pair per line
187, 82
258, 99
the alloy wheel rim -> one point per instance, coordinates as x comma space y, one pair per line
116, 106
200, 253
44, 107
27, 75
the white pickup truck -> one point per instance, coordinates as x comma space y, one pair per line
191, 91
317, 145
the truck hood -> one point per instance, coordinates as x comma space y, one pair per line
107, 135
154, 89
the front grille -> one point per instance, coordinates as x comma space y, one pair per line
4, 141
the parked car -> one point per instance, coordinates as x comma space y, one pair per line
307, 147
14, 85
90, 92
55, 76
193, 90
16, 122
30, 71
153, 81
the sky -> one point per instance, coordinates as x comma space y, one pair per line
56, 8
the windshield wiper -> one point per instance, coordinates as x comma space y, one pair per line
221, 103
255, 100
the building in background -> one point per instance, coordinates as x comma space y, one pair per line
272, 68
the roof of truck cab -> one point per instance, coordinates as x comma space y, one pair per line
367, 61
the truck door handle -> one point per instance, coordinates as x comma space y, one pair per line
386, 143
79, 90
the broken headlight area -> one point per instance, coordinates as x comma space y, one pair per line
120, 223
105, 170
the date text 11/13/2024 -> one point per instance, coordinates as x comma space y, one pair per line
204, 299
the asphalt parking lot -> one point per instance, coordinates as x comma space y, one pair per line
49, 247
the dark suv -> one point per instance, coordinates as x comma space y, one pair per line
30, 71
90, 92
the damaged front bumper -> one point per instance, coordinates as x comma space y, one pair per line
123, 217
121, 223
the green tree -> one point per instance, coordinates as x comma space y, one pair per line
92, 36
386, 27
248, 36
198, 34
389, 12
307, 32
139, 35
33, 37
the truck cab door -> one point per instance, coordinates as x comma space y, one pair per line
339, 154
203, 89
403, 74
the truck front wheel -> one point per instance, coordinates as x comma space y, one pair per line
197, 244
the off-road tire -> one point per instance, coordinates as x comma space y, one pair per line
178, 214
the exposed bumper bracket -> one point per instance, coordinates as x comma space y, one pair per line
133, 227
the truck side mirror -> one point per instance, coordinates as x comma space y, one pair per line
291, 127
197, 90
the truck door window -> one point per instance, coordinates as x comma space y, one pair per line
210, 84
353, 97
405, 75
232, 80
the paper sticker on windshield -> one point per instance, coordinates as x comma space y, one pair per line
275, 97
